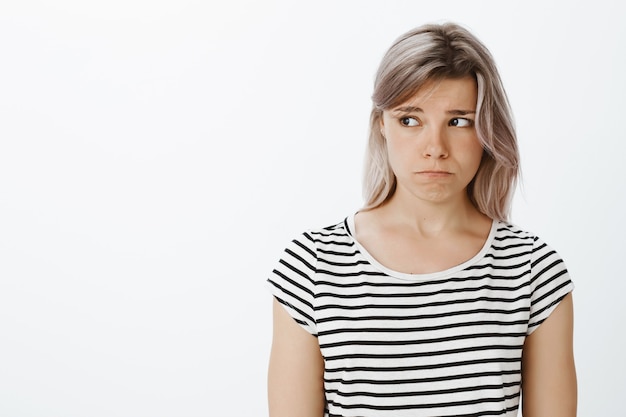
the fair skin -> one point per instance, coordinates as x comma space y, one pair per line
296, 370
428, 225
434, 153
549, 385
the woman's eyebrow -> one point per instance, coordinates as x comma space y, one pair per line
408, 109
461, 112
414, 109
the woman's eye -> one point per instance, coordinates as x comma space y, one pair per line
409, 121
461, 122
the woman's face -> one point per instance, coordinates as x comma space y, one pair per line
431, 140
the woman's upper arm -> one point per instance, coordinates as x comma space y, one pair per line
549, 387
296, 369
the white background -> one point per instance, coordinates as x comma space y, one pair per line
156, 157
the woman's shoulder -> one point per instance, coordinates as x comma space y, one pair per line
510, 230
337, 233
510, 236
334, 232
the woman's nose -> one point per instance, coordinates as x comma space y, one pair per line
435, 144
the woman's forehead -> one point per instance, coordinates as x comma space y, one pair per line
455, 91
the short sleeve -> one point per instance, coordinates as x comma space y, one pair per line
292, 282
550, 283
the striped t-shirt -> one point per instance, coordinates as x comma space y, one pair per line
440, 344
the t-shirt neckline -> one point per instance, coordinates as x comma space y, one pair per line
419, 277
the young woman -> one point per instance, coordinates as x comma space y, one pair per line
427, 302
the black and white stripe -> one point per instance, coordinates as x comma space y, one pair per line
441, 344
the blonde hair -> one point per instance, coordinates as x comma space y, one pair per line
433, 52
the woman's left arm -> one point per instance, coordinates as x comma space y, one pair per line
549, 387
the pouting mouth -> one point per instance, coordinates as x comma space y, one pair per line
433, 171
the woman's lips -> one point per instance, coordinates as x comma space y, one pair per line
434, 173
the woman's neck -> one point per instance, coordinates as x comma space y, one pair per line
431, 219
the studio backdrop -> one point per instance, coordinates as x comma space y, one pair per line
157, 156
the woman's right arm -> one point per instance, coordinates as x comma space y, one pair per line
296, 370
